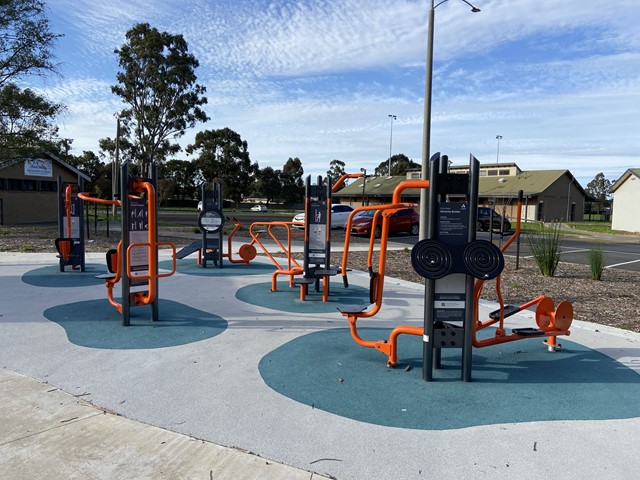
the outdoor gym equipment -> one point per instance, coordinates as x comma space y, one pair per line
211, 223
70, 244
317, 240
455, 266
247, 251
551, 321
135, 261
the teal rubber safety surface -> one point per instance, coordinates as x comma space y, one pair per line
189, 266
97, 324
512, 383
287, 299
51, 276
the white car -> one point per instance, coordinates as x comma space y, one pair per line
339, 215
259, 208
200, 206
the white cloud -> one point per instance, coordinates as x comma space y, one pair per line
317, 79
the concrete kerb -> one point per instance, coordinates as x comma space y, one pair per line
49, 433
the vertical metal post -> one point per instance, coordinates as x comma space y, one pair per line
125, 221
153, 231
80, 206
429, 294
467, 347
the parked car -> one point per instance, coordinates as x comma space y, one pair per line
406, 220
484, 218
259, 208
200, 206
339, 215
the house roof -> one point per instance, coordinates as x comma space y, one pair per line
624, 177
531, 183
13, 161
375, 187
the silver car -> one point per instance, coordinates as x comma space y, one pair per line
339, 215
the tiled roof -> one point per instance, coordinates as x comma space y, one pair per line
531, 183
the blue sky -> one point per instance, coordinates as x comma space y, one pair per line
317, 79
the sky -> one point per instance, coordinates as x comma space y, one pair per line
558, 80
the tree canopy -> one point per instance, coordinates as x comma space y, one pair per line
157, 82
400, 164
291, 181
336, 169
599, 188
26, 43
224, 157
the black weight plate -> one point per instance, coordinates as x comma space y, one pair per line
483, 260
431, 259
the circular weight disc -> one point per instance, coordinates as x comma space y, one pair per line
544, 313
483, 260
564, 316
247, 252
211, 220
431, 259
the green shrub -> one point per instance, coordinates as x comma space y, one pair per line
596, 263
544, 244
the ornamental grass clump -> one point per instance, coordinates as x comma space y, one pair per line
544, 244
596, 262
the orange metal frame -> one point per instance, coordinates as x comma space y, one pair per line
550, 320
65, 245
292, 267
142, 297
247, 252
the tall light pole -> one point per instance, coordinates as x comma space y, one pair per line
364, 183
426, 130
498, 137
392, 117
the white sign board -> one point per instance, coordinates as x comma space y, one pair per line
38, 167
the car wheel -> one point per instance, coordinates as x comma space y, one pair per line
378, 232
415, 229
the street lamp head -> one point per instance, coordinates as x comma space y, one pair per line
364, 171
474, 9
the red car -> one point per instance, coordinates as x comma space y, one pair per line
406, 220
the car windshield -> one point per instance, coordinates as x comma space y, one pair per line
366, 213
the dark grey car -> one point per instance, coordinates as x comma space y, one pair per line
485, 217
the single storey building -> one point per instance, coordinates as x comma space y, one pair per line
28, 188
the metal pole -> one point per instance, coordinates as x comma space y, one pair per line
393, 117
115, 169
498, 137
426, 128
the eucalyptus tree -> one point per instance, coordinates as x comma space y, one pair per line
26, 50
292, 182
268, 184
157, 82
223, 156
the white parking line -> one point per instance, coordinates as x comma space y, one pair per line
623, 263
579, 250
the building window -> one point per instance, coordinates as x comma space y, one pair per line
3, 184
29, 185
492, 173
47, 186
14, 184
483, 173
503, 172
